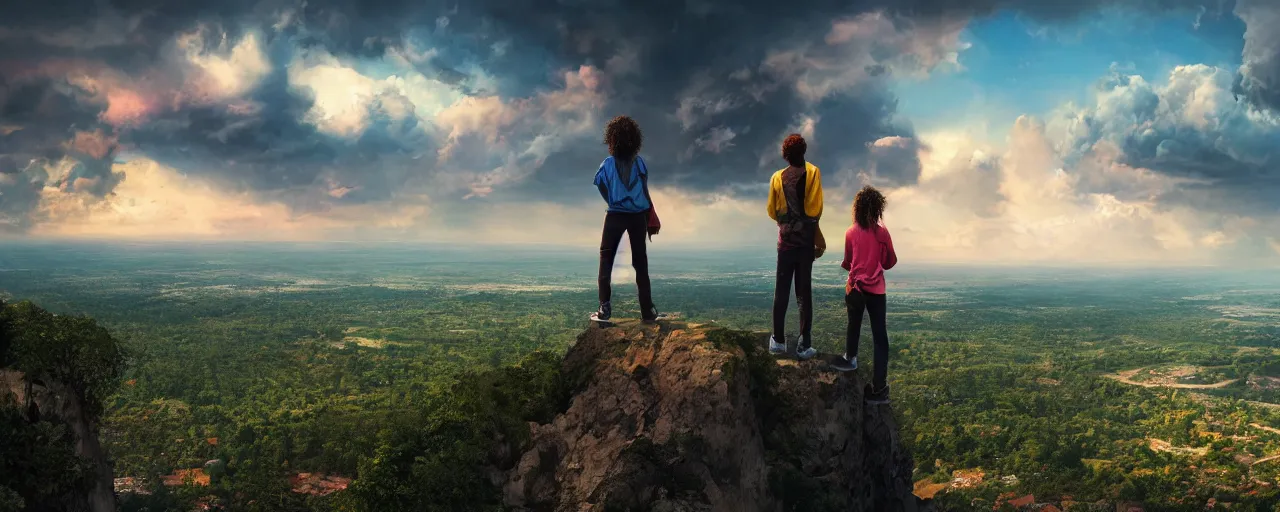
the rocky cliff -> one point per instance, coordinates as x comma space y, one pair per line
681, 417
57, 402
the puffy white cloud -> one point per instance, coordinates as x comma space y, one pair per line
1189, 129
1038, 199
224, 70
489, 116
341, 94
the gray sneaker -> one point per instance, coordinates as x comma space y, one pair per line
603, 314
775, 347
804, 349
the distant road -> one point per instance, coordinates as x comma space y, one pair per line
1266, 428
1267, 459
1126, 379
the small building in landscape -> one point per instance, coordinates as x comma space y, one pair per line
318, 484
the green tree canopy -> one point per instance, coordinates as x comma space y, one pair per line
73, 350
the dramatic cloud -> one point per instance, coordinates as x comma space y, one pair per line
1025, 203
1189, 139
1177, 172
305, 117
1259, 78
313, 104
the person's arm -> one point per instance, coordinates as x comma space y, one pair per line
847, 263
819, 242
890, 257
599, 182
813, 195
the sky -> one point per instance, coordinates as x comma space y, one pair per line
1137, 132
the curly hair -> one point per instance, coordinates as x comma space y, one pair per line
793, 148
868, 207
623, 137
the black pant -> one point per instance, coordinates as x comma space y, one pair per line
636, 226
797, 264
874, 304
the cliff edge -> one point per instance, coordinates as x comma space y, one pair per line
681, 417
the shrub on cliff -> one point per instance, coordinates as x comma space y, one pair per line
442, 461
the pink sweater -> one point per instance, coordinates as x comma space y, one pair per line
867, 254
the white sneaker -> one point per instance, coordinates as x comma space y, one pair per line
806, 353
775, 347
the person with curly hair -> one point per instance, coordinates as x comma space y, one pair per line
795, 203
623, 182
868, 252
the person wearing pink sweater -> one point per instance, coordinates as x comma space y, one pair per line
868, 252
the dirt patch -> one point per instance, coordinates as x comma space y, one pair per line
960, 479
1260, 382
1272, 430
926, 489
365, 342
318, 484
1160, 445
1047, 381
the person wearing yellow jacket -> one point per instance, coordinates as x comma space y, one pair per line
795, 204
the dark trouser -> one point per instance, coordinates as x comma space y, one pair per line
636, 226
797, 264
874, 304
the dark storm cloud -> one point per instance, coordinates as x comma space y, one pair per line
49, 136
1259, 78
693, 72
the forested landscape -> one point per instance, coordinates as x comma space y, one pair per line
375, 377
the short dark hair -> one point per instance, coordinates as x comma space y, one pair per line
623, 136
793, 148
868, 207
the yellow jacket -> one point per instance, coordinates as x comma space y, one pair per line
812, 193
812, 201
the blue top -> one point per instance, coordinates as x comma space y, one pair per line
624, 196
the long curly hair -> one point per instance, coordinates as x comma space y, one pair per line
868, 207
623, 136
793, 149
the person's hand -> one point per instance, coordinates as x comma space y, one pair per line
818, 250
653, 230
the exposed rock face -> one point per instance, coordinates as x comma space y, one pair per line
57, 401
684, 418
